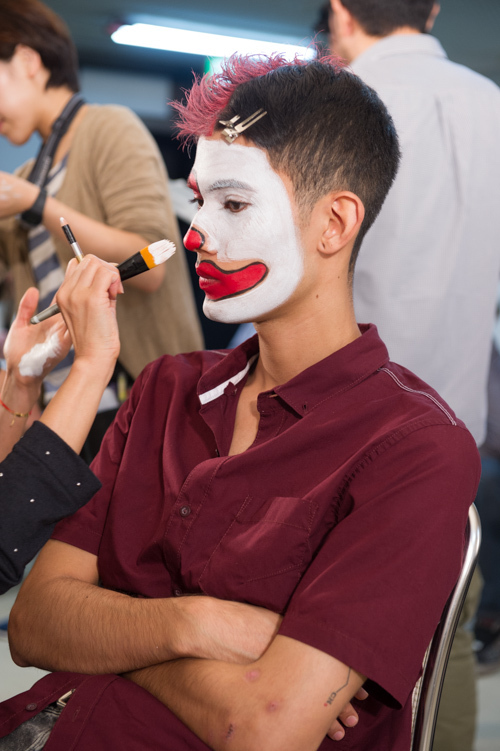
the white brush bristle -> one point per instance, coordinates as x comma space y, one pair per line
162, 250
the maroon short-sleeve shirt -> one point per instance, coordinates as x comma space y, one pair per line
346, 514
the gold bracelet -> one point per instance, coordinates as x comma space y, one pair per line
16, 414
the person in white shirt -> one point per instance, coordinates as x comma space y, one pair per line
428, 270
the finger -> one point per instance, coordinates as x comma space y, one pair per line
70, 269
70, 277
91, 266
80, 277
82, 272
362, 694
336, 732
101, 276
73, 264
116, 287
348, 716
27, 306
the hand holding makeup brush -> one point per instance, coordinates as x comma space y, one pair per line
88, 302
87, 299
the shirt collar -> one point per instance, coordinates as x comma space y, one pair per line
333, 375
231, 368
400, 44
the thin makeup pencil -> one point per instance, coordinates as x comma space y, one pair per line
71, 239
53, 309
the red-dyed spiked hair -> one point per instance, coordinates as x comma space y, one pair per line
210, 95
324, 128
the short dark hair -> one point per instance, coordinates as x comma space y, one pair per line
381, 17
31, 23
325, 129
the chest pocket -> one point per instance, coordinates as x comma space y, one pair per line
263, 553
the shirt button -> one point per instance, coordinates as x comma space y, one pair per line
185, 511
31, 707
177, 592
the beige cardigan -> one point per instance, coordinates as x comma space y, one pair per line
116, 175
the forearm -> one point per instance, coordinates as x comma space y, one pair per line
100, 631
19, 399
201, 693
274, 703
108, 243
72, 410
72, 625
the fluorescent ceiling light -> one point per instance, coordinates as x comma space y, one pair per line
201, 42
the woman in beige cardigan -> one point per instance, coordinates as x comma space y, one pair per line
113, 192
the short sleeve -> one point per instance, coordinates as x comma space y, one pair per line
374, 593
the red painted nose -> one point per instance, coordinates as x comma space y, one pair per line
194, 240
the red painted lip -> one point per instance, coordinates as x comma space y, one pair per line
218, 284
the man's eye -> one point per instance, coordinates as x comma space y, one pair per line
198, 200
235, 206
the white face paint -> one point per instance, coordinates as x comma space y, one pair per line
246, 221
33, 362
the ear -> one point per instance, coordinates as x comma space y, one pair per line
432, 17
343, 214
29, 59
344, 20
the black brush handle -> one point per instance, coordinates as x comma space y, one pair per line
132, 266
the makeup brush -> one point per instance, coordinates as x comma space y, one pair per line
147, 258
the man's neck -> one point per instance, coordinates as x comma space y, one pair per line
289, 347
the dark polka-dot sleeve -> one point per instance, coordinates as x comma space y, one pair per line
41, 482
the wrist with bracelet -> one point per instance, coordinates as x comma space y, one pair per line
13, 412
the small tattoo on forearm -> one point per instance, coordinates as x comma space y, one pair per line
333, 695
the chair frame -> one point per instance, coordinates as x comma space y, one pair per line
428, 693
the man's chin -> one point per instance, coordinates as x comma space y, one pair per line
226, 311
215, 311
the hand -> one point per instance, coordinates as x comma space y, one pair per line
32, 351
348, 718
87, 299
16, 194
225, 630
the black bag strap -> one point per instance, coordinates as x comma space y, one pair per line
38, 175
45, 157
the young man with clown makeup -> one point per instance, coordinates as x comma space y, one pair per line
279, 525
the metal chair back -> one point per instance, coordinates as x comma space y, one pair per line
427, 694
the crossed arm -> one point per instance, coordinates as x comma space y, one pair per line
289, 698
218, 665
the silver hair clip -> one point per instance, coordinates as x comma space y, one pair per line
232, 131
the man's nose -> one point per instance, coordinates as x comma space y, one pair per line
194, 239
